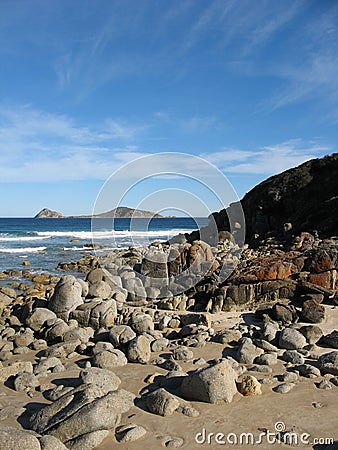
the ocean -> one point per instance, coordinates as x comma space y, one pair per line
46, 242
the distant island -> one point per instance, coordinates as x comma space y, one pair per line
121, 212
46, 213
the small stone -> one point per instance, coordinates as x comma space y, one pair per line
183, 354
170, 364
249, 386
121, 335
289, 377
108, 359
48, 365
328, 363
284, 388
24, 381
199, 362
317, 405
285, 313
312, 333
39, 317
212, 384
173, 442
331, 340
247, 351
267, 359
334, 380
162, 403
308, 371
228, 336
141, 323
265, 345
189, 411
293, 357
14, 369
129, 433
324, 384
39, 344
158, 345
105, 379
312, 311
261, 369
139, 350
269, 331
174, 323
291, 339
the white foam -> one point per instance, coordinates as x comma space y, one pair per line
111, 234
76, 234
132, 233
76, 249
22, 250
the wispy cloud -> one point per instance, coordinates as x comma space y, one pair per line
39, 146
242, 35
110, 42
191, 124
272, 23
267, 160
309, 68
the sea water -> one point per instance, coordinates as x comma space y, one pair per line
46, 242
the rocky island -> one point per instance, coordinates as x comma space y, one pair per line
46, 213
121, 212
151, 347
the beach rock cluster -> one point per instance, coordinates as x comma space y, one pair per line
67, 339
108, 320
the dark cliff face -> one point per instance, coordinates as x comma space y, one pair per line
305, 196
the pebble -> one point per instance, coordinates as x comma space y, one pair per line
324, 384
129, 433
284, 388
289, 377
334, 380
173, 442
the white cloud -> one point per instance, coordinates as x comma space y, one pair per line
192, 124
198, 124
39, 146
270, 159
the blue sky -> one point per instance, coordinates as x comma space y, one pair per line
87, 86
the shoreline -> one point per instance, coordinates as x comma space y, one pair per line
75, 324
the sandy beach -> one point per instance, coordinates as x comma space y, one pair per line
306, 410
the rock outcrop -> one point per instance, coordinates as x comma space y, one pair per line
304, 198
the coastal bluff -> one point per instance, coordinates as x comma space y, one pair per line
303, 198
